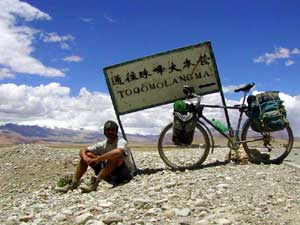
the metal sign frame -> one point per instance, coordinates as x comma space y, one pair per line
215, 70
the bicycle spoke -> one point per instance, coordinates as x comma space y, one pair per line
267, 147
183, 156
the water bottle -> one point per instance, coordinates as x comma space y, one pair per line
220, 126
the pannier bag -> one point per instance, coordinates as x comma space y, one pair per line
183, 128
267, 112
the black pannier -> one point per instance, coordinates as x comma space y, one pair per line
183, 128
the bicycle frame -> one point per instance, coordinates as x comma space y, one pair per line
230, 134
232, 137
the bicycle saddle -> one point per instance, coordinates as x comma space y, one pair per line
188, 90
247, 87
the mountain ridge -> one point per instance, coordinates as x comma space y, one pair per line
11, 134
16, 134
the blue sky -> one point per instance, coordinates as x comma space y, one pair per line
59, 49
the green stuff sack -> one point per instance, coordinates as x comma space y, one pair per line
267, 112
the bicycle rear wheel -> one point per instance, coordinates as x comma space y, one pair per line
267, 147
181, 157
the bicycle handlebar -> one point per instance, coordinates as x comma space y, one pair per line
192, 107
189, 91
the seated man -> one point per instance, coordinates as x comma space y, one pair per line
111, 160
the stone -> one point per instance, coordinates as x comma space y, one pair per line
59, 217
12, 220
80, 212
94, 222
222, 186
67, 212
228, 178
160, 201
105, 204
151, 212
83, 218
171, 184
222, 194
200, 202
203, 213
26, 218
202, 222
168, 213
139, 222
183, 212
112, 218
224, 221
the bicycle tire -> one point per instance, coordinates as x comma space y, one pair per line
274, 147
179, 157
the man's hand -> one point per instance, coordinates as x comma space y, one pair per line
88, 160
88, 157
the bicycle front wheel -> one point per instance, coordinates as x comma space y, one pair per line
267, 147
180, 157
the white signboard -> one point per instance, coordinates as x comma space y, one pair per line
159, 79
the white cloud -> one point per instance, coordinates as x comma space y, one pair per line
279, 53
289, 62
109, 19
16, 41
64, 45
73, 58
52, 105
54, 37
268, 58
87, 20
11, 8
292, 104
295, 51
6, 73
65, 69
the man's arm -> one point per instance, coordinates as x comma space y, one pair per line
113, 154
87, 155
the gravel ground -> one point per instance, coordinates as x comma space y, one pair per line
218, 193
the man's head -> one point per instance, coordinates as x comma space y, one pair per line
110, 129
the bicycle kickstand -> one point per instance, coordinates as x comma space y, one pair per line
228, 156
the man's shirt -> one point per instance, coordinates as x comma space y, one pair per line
103, 147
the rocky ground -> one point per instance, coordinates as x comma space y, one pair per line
216, 194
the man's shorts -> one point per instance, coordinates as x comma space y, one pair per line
121, 174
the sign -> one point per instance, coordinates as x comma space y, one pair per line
159, 79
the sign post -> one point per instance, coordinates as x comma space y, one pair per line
158, 79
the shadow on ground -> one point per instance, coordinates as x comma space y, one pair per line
148, 171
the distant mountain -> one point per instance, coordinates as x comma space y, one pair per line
8, 137
28, 131
16, 134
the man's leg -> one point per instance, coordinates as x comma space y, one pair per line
110, 166
80, 171
119, 175
82, 168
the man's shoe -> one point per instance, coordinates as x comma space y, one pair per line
68, 187
92, 187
